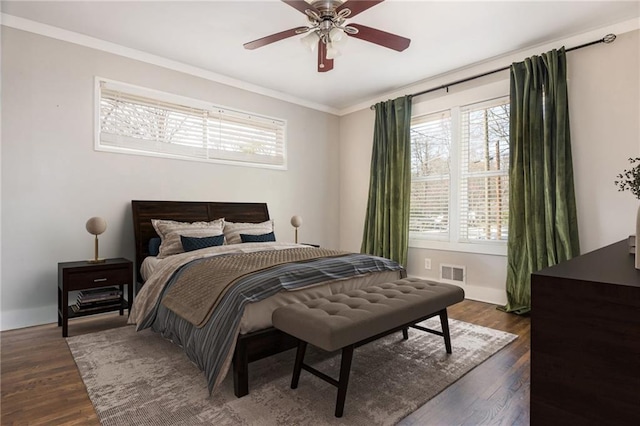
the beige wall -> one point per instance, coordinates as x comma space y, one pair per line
53, 180
604, 96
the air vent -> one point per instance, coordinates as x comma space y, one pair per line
453, 274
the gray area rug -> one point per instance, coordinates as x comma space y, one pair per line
142, 379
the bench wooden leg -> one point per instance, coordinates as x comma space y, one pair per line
405, 333
444, 322
297, 366
343, 382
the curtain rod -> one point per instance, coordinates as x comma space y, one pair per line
609, 38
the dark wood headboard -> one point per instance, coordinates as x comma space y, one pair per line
186, 211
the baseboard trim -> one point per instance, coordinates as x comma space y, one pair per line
494, 296
484, 294
21, 318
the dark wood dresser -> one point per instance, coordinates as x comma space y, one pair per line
585, 340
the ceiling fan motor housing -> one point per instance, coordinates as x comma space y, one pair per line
326, 5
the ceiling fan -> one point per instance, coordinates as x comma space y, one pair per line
327, 28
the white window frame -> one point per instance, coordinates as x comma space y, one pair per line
454, 101
201, 154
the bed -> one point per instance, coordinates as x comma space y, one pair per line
256, 339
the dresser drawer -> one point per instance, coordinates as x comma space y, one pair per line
98, 278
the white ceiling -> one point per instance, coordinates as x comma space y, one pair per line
445, 35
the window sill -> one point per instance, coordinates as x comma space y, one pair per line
497, 249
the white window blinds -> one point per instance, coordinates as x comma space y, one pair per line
143, 121
484, 203
430, 175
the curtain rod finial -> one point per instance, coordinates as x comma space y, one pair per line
609, 38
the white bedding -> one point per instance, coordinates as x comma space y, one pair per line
149, 264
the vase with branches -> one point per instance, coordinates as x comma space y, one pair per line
629, 180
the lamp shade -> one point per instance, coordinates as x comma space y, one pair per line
310, 41
336, 35
332, 51
96, 225
296, 221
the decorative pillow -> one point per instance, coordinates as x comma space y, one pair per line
170, 232
197, 243
263, 238
154, 246
232, 230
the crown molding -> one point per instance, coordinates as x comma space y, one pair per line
496, 62
117, 49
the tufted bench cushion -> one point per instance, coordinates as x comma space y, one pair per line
339, 320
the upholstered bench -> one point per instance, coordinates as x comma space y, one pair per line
348, 320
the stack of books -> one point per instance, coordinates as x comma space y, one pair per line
98, 298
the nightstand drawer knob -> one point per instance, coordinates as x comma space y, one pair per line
98, 280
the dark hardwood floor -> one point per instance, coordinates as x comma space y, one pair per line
494, 393
40, 384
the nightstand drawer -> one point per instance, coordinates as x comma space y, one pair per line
99, 278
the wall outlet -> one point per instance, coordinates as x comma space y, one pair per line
427, 263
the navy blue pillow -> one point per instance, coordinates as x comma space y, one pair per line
154, 246
197, 243
264, 238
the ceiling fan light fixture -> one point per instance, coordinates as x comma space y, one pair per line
310, 41
332, 51
336, 35
327, 29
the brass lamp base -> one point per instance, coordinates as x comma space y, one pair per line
96, 259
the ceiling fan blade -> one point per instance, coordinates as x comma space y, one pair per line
324, 64
273, 38
382, 38
357, 6
301, 5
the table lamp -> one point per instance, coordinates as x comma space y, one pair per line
96, 226
296, 222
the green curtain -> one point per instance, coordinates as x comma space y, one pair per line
543, 224
386, 227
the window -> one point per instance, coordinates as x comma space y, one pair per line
142, 121
430, 175
459, 178
484, 207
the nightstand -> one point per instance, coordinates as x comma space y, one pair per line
75, 276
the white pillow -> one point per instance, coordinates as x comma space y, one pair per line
232, 230
170, 231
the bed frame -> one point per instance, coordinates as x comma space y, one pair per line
251, 346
